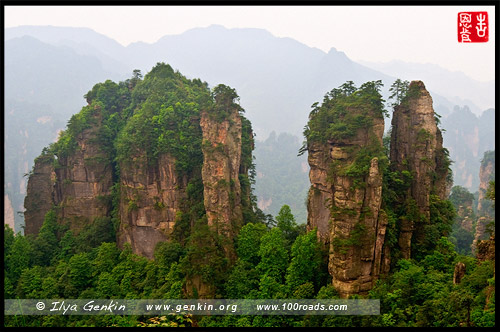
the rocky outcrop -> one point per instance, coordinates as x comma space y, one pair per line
40, 193
466, 216
8, 213
486, 249
345, 209
150, 198
78, 184
481, 232
320, 193
220, 173
83, 183
417, 147
486, 174
149, 160
357, 237
458, 273
485, 210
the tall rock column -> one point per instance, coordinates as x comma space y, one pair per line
344, 201
417, 148
221, 165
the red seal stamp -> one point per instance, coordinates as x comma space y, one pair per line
473, 27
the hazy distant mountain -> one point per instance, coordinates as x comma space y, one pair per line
51, 75
44, 86
84, 41
278, 79
467, 137
455, 86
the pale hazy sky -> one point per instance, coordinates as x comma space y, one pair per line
418, 34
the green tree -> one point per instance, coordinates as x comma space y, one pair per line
30, 283
249, 238
46, 244
273, 255
18, 258
305, 263
243, 281
460, 196
398, 91
80, 271
106, 258
8, 240
286, 223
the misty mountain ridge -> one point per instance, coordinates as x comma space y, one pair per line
277, 79
253, 61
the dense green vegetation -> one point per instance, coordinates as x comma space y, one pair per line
463, 201
275, 257
417, 293
344, 110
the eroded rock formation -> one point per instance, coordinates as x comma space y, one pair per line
83, 183
486, 249
150, 199
221, 166
458, 273
345, 209
485, 210
79, 184
40, 193
172, 152
417, 147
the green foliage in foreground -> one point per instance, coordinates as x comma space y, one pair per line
416, 293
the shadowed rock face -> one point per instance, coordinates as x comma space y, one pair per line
417, 147
341, 209
221, 165
80, 185
220, 174
484, 210
40, 191
83, 184
486, 174
486, 250
150, 200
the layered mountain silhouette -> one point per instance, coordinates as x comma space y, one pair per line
277, 79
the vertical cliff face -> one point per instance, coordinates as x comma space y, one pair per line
222, 151
318, 213
149, 202
83, 182
484, 205
416, 147
486, 174
78, 183
40, 193
221, 165
344, 201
